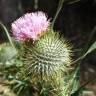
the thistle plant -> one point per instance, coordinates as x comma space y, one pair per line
42, 63
46, 55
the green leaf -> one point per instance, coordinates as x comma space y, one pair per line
76, 92
60, 5
93, 47
76, 82
7, 52
7, 33
72, 1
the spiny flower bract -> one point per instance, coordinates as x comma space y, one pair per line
48, 56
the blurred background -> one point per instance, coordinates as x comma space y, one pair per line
76, 21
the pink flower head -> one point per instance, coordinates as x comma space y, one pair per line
30, 26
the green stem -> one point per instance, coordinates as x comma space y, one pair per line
6, 31
60, 5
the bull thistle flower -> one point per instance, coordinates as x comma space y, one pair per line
30, 26
47, 60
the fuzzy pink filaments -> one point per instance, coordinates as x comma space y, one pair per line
30, 26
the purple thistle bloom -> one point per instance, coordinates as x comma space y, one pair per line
30, 26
